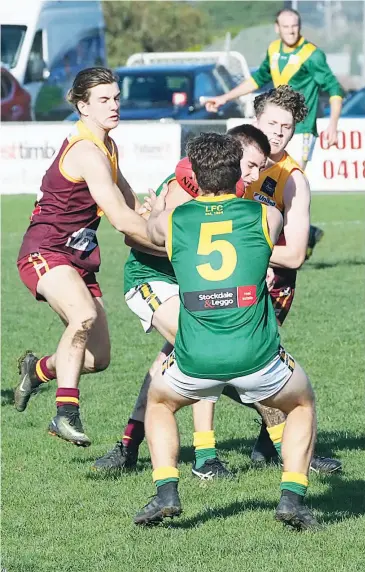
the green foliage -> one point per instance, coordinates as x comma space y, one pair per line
229, 15
152, 27
59, 516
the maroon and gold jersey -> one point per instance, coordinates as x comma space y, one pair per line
66, 217
269, 189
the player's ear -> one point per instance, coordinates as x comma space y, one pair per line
254, 121
193, 175
277, 30
82, 107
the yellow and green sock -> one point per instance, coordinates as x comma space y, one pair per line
164, 475
276, 436
295, 482
204, 444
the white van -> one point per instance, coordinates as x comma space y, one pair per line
45, 43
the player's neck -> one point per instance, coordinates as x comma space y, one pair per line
287, 48
275, 158
96, 129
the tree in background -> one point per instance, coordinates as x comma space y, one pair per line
152, 27
228, 16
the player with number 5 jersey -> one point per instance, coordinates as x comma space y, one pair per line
220, 247
222, 333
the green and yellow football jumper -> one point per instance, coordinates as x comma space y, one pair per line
220, 249
304, 67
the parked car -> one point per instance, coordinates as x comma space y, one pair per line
174, 91
15, 100
353, 105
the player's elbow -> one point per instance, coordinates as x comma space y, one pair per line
155, 238
297, 259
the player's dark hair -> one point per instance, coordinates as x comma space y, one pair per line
292, 11
286, 98
87, 79
249, 135
215, 160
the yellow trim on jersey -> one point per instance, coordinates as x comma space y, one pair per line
168, 241
290, 69
84, 133
254, 84
71, 143
295, 478
216, 199
165, 473
280, 173
265, 226
335, 97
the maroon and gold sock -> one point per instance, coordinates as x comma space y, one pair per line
42, 372
133, 434
67, 396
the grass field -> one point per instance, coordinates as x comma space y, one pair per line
58, 516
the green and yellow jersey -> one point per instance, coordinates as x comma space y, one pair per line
141, 268
220, 248
304, 67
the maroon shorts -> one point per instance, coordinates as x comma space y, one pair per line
282, 299
32, 267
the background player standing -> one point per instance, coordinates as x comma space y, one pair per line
293, 60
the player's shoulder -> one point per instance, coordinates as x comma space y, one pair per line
316, 53
274, 46
82, 147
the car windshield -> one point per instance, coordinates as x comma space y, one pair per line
11, 42
355, 105
152, 90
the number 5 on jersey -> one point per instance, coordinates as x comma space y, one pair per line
207, 246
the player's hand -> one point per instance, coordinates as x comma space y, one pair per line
212, 104
331, 135
270, 279
158, 204
146, 207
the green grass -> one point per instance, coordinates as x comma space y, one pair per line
58, 516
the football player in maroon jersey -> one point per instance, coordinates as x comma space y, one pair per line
59, 256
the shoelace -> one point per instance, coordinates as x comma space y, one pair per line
115, 451
75, 420
217, 466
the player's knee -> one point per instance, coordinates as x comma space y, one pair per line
82, 326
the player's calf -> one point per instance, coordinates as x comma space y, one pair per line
296, 399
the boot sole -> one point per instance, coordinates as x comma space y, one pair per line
167, 512
291, 519
113, 469
74, 442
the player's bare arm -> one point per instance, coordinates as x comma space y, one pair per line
331, 130
175, 197
129, 195
86, 161
214, 103
157, 225
274, 223
296, 223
